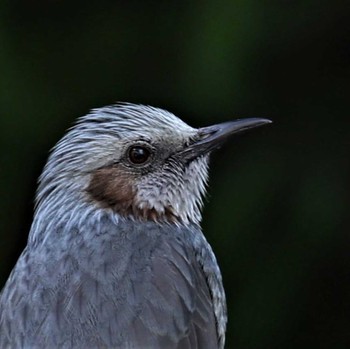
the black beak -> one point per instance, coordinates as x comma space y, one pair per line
211, 137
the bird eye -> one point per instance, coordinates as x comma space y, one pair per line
139, 155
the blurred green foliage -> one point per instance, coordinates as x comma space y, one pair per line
277, 215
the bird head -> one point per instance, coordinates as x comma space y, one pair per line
136, 161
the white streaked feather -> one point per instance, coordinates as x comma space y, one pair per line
97, 140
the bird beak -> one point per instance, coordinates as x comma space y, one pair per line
212, 137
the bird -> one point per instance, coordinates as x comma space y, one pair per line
116, 257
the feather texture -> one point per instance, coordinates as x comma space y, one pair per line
123, 286
115, 256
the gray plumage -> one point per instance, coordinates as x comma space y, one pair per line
115, 256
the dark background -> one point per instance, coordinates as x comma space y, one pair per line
277, 215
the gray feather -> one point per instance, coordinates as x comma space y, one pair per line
98, 275
130, 286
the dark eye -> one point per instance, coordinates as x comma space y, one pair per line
139, 155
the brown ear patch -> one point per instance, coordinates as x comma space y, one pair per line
113, 187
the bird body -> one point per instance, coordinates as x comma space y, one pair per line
128, 286
115, 256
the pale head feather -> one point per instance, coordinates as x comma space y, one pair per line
100, 139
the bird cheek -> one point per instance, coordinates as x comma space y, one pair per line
112, 188
152, 201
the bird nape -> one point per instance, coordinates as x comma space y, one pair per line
115, 256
